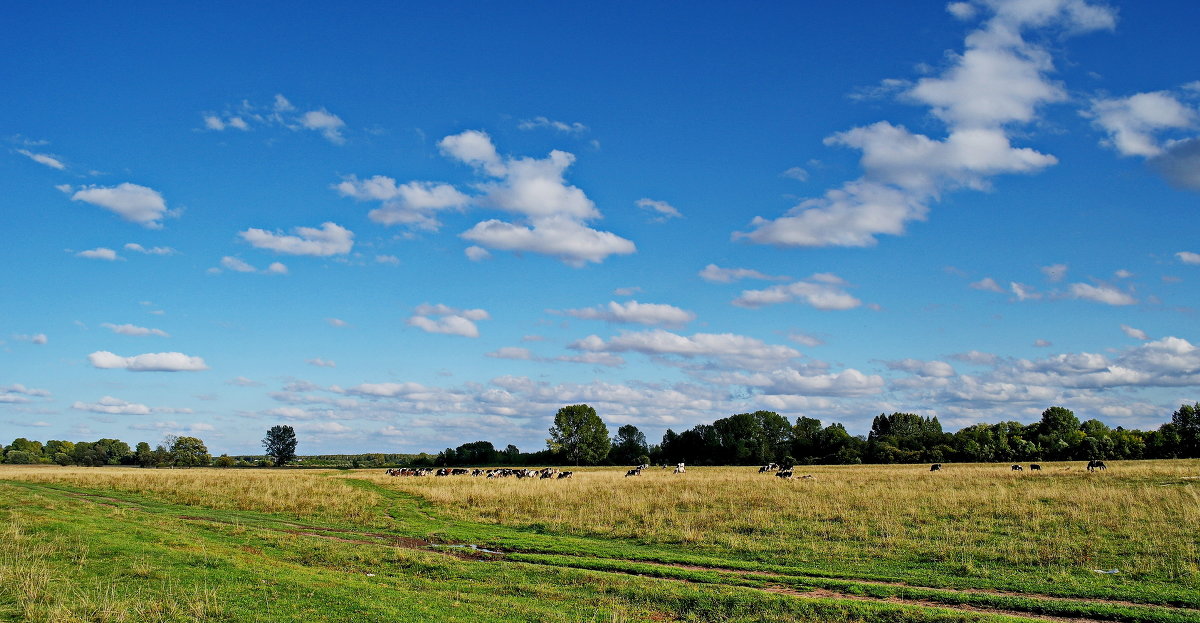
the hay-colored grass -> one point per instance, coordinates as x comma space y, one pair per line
298, 493
1140, 517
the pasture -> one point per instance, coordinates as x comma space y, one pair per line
972, 542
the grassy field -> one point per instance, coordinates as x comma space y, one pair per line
852, 544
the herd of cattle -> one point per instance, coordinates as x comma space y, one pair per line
547, 473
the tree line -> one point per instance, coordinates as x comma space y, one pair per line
580, 437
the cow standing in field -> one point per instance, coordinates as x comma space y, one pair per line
1094, 465
784, 473
1018, 468
1034, 467
562, 475
637, 471
679, 469
936, 467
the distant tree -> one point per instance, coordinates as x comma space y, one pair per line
145, 456
280, 443
189, 452
628, 445
32, 448
19, 457
580, 434
224, 461
1186, 421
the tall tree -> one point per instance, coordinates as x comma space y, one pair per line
580, 434
1187, 425
280, 443
189, 452
629, 445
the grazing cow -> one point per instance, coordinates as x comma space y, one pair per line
562, 475
784, 473
936, 467
679, 469
1096, 464
1034, 467
1017, 468
633, 472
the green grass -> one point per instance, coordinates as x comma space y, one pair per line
75, 553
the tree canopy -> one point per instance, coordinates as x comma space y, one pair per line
280, 443
580, 435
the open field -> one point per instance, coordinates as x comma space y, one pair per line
869, 543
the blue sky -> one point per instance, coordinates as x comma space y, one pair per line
408, 228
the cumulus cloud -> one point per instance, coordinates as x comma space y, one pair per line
661, 210
822, 291
239, 265
414, 204
716, 274
134, 330
1132, 122
148, 362
557, 236
635, 312
99, 253
1187, 257
1000, 80
134, 203
328, 124
511, 352
936, 369
447, 320
329, 239
51, 161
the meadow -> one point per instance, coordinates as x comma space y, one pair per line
974, 542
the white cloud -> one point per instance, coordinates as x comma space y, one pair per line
662, 210
796, 173
998, 81
447, 320
18, 393
1132, 122
511, 352
561, 237
237, 265
1102, 293
789, 381
543, 122
148, 362
635, 312
1023, 292
477, 254
133, 246
129, 329
36, 338
242, 381
329, 239
328, 124
112, 406
716, 274
46, 159
99, 253
276, 268
336, 322
1136, 334
935, 369
134, 203
1187, 257
822, 291
553, 212
739, 350
321, 363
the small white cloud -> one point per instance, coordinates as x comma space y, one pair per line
822, 291
391, 260
321, 363
1102, 293
46, 159
661, 210
337, 322
242, 381
635, 312
1187, 257
1132, 122
112, 406
796, 173
961, 10
477, 253
133, 246
329, 239
716, 274
1023, 292
560, 126
148, 362
1136, 334
237, 265
1043, 343
134, 330
447, 320
99, 253
511, 352
134, 203
276, 268
328, 124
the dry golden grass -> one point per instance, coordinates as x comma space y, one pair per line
1140, 517
299, 493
